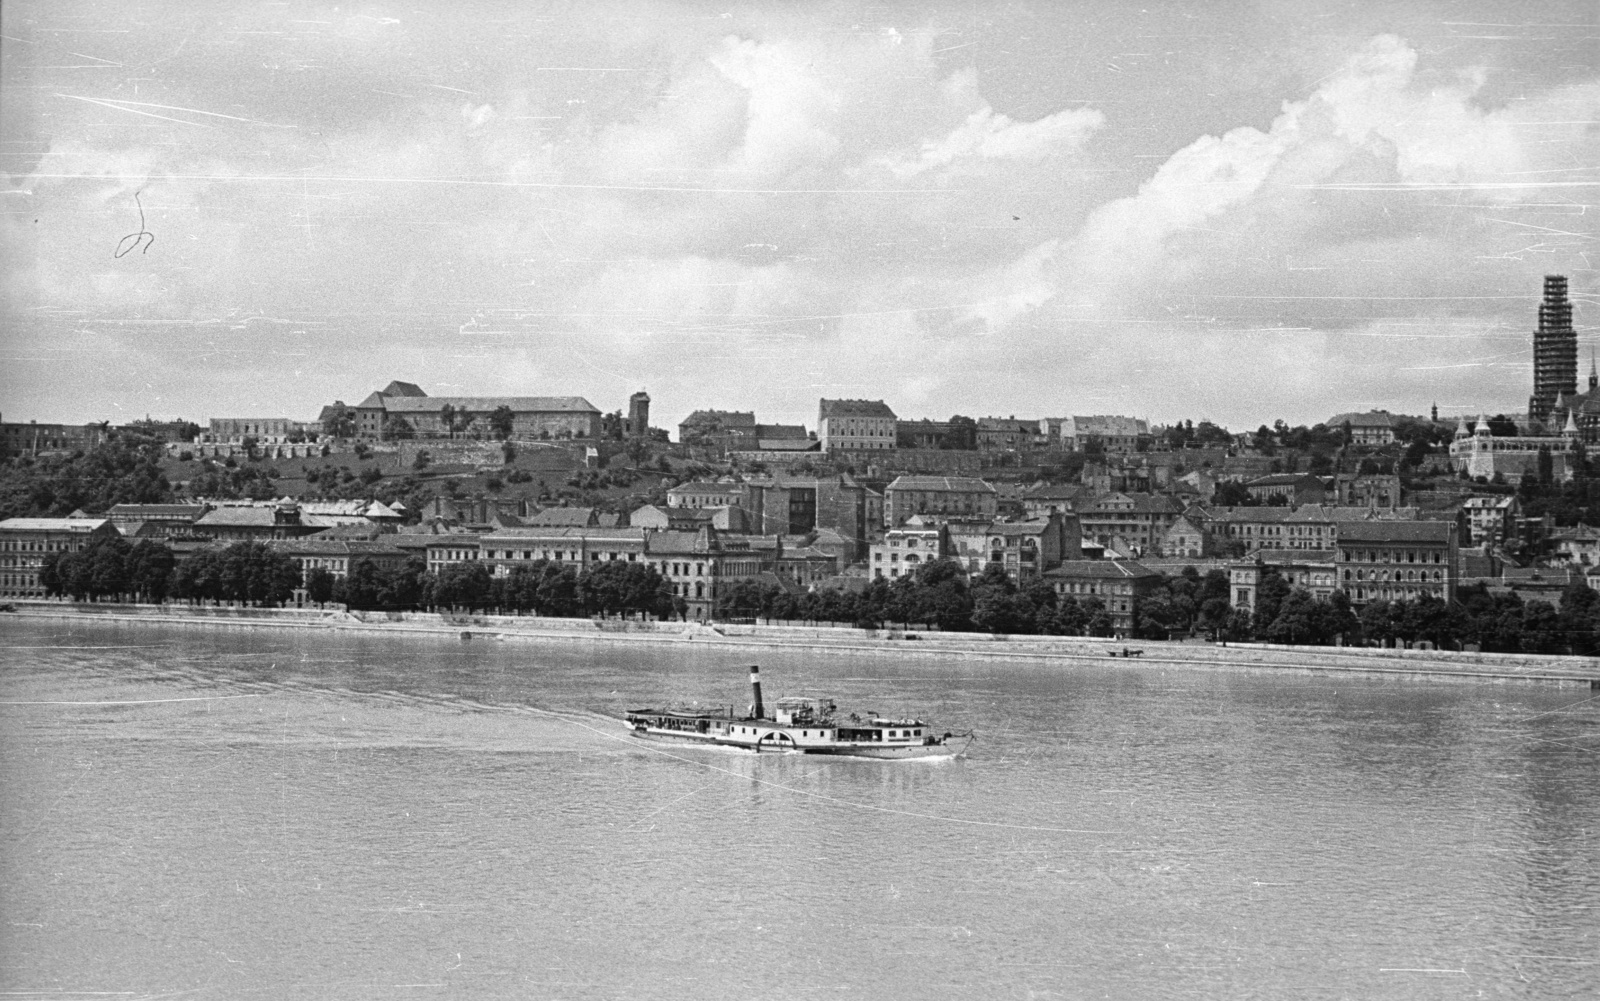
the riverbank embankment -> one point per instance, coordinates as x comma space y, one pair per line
1443, 665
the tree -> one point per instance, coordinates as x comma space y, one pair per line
1271, 592
502, 422
149, 571
319, 585
464, 585
962, 436
396, 428
340, 422
421, 461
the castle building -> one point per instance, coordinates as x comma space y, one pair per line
1482, 453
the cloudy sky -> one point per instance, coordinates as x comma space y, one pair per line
1233, 211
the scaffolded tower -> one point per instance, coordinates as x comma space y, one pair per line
1555, 350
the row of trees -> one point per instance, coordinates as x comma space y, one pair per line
938, 595
114, 569
123, 470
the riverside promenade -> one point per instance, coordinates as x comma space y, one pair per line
840, 640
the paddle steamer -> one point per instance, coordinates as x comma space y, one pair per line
800, 726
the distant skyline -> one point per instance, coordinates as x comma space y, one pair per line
1228, 211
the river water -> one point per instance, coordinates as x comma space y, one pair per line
270, 814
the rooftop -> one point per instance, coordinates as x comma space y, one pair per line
1101, 569
947, 484
1438, 532
53, 524
855, 408
486, 404
1370, 419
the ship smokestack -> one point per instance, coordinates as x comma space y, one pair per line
756, 711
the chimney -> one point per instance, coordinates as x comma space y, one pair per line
758, 710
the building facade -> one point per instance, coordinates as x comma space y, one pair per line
906, 549
1393, 560
1119, 584
1140, 519
34, 438
25, 544
1375, 427
948, 496
855, 425
540, 418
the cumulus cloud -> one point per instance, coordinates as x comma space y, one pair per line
986, 134
1334, 200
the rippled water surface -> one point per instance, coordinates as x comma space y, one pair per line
234, 814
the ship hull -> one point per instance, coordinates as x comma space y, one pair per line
947, 747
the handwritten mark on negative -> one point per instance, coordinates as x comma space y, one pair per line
138, 240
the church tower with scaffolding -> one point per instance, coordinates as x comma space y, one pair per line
1555, 351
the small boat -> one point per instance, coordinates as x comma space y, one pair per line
798, 726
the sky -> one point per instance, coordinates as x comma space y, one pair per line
1239, 212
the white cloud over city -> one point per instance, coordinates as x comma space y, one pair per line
1224, 214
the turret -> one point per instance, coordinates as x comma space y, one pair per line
1571, 430
1482, 430
1461, 428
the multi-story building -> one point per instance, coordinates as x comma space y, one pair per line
1141, 519
1308, 570
928, 434
156, 520
855, 425
1112, 433
1389, 560
720, 430
1373, 490
1028, 549
34, 438
806, 566
532, 417
1491, 520
699, 566
1579, 544
1375, 427
710, 494
904, 550
1007, 434
1119, 584
25, 544
1188, 536
963, 497
451, 550
260, 522
1044, 499
1292, 489
337, 556
576, 546
266, 430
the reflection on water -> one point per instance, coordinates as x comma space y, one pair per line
232, 814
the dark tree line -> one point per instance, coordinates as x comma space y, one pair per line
123, 470
114, 569
937, 595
